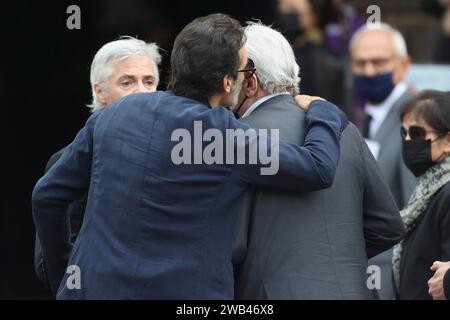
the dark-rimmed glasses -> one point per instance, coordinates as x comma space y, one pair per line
249, 70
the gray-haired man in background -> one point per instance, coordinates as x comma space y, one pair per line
119, 68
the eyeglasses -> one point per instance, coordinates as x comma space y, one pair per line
417, 132
378, 64
249, 70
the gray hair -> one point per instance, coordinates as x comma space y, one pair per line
397, 38
113, 52
276, 67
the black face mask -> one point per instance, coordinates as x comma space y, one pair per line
417, 156
236, 112
288, 24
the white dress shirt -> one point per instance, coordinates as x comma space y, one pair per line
379, 112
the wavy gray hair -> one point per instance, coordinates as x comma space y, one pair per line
276, 67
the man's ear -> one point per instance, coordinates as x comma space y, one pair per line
402, 69
227, 83
251, 86
100, 94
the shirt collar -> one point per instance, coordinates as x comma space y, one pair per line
258, 102
379, 111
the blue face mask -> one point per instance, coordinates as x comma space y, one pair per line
374, 89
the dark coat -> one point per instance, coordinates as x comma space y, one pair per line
76, 214
429, 241
315, 245
154, 228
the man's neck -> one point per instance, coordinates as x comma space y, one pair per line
256, 104
250, 101
214, 101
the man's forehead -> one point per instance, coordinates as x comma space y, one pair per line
134, 75
374, 42
134, 66
243, 56
134, 63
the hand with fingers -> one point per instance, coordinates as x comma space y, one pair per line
436, 282
304, 101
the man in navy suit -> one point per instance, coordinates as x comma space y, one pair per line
160, 218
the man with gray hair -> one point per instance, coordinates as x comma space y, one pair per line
314, 245
119, 68
122, 67
380, 62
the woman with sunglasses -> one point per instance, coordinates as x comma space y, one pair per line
426, 150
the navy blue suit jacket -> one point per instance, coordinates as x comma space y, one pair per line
154, 229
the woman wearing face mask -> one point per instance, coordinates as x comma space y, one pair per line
426, 152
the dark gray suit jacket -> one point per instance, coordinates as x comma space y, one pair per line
314, 245
397, 176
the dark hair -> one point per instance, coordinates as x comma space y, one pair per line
204, 52
326, 12
432, 7
432, 106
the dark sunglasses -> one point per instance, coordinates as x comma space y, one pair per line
249, 70
417, 132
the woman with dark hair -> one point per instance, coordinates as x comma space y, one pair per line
426, 150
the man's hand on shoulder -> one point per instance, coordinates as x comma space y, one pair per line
304, 101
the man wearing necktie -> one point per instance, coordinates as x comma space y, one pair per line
379, 62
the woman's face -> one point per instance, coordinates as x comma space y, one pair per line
440, 148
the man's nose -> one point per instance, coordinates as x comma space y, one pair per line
369, 70
140, 88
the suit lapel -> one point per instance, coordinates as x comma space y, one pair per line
391, 123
